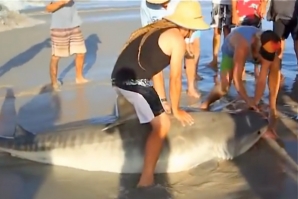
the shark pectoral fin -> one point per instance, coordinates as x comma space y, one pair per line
20, 131
119, 122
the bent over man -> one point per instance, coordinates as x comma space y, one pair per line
147, 52
249, 44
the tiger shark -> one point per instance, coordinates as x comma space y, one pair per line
118, 147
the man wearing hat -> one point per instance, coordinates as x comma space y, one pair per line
249, 44
147, 52
153, 10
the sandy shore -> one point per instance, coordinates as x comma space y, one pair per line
262, 173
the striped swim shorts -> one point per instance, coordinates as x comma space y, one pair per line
66, 42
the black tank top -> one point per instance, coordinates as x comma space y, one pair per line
152, 59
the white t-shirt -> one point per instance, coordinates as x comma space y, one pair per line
222, 2
153, 12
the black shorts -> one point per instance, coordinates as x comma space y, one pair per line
283, 28
221, 15
143, 97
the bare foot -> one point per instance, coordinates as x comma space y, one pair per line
213, 65
193, 93
146, 181
56, 85
166, 107
81, 80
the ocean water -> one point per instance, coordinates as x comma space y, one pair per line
82, 4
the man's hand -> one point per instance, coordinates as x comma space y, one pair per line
251, 103
271, 133
167, 107
54, 6
183, 117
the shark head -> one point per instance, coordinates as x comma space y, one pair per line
249, 128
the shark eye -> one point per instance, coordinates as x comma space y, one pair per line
259, 132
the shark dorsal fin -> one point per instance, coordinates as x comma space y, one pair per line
123, 110
20, 131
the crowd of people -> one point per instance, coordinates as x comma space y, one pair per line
170, 36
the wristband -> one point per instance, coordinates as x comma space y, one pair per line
163, 100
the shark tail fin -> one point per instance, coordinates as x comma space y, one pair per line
20, 131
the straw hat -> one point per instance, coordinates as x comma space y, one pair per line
188, 14
157, 1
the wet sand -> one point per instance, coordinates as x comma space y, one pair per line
264, 172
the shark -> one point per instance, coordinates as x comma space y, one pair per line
118, 146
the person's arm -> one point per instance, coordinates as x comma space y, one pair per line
261, 81
261, 10
159, 85
177, 56
53, 6
274, 79
234, 11
234, 6
239, 63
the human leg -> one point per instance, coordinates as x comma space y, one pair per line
149, 109
226, 31
191, 64
294, 33
217, 25
283, 30
160, 128
296, 49
220, 89
215, 50
60, 39
77, 46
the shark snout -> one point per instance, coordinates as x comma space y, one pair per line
247, 141
237, 146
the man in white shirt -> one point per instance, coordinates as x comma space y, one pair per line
153, 10
221, 16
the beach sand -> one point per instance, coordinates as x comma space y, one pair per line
267, 171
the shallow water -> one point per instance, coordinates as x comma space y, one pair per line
264, 172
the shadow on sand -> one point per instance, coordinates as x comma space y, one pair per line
24, 57
21, 179
91, 43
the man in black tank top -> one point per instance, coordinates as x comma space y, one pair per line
147, 52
